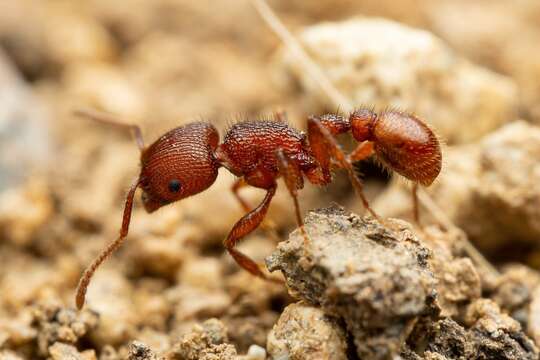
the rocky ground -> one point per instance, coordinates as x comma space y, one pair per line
358, 289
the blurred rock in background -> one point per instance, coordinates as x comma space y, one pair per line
382, 64
470, 69
25, 143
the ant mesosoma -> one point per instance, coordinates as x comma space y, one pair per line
185, 161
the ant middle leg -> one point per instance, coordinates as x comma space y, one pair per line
325, 147
294, 181
110, 120
247, 224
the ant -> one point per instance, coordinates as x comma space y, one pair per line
185, 161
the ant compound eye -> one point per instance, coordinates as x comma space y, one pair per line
174, 186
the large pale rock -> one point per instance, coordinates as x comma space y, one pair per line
305, 332
491, 39
381, 63
24, 134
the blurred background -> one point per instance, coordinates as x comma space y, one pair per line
471, 69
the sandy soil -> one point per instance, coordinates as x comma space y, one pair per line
361, 290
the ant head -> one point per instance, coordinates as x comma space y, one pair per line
362, 122
179, 164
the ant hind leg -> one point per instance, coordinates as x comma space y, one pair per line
322, 141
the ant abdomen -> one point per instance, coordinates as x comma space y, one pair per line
407, 145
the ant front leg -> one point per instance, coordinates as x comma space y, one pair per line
245, 226
323, 144
110, 120
267, 224
294, 181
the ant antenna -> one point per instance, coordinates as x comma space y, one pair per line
112, 247
111, 120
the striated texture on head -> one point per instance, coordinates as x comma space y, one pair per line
179, 164
408, 146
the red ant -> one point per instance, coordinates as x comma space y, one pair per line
185, 161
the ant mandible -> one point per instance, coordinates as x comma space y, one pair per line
185, 161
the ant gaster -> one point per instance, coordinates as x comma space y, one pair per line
185, 161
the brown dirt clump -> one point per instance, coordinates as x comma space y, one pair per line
306, 332
373, 277
391, 290
205, 342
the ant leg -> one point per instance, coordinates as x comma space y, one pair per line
90, 270
110, 120
416, 209
362, 151
321, 151
294, 181
321, 140
243, 227
267, 224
